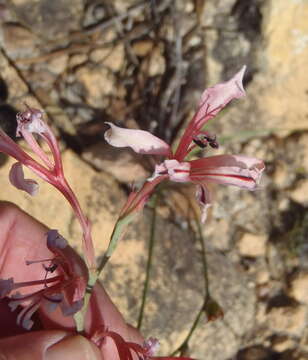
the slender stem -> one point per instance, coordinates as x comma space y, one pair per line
114, 239
204, 260
149, 263
200, 238
190, 333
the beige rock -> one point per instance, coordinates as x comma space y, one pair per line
299, 288
300, 193
18, 88
18, 41
123, 164
284, 93
142, 47
303, 148
99, 83
77, 59
262, 277
252, 245
284, 343
157, 64
111, 58
281, 175
58, 64
289, 320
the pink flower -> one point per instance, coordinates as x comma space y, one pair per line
51, 170
238, 170
66, 289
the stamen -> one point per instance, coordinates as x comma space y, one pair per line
30, 262
50, 268
204, 138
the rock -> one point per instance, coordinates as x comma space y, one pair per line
157, 65
300, 193
256, 352
142, 47
283, 343
285, 32
113, 58
122, 164
18, 41
299, 288
57, 65
49, 19
288, 320
262, 277
252, 245
18, 88
77, 59
99, 83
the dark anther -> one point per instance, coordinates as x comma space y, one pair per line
214, 144
202, 140
200, 143
51, 268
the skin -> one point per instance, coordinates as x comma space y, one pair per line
52, 337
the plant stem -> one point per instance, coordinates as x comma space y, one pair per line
149, 263
200, 238
190, 333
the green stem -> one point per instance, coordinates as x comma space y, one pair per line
189, 335
204, 261
149, 263
116, 235
200, 237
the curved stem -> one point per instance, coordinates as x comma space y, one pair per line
184, 344
149, 263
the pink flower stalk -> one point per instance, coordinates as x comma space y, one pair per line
30, 121
238, 170
66, 289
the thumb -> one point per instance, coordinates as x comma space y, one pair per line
48, 345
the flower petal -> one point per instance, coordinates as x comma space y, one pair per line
217, 97
204, 199
17, 179
140, 141
178, 172
30, 120
242, 171
212, 101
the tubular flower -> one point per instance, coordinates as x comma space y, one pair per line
65, 289
51, 170
238, 170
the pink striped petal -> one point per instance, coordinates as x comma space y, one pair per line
212, 101
18, 180
140, 141
217, 97
178, 172
241, 171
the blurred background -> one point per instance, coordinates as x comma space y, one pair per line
144, 64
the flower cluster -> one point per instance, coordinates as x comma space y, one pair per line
67, 276
238, 170
65, 289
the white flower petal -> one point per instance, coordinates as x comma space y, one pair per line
140, 141
18, 180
